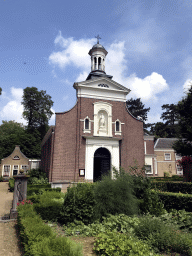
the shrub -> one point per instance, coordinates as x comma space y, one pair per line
115, 196
1, 178
37, 176
163, 237
11, 184
39, 239
49, 205
151, 203
78, 204
171, 186
176, 201
118, 223
39, 190
112, 243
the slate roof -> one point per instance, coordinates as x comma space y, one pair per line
164, 143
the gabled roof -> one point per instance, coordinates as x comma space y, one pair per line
165, 143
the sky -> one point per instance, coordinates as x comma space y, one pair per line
45, 44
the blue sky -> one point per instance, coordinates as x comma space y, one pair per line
45, 44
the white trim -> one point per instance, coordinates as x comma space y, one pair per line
89, 129
9, 169
169, 156
118, 132
166, 161
172, 150
92, 144
145, 147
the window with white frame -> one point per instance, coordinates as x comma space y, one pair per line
87, 125
167, 156
25, 167
117, 127
6, 170
148, 169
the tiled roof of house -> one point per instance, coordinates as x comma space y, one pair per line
165, 142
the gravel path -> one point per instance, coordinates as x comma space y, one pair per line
9, 245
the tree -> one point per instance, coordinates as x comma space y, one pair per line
137, 109
37, 109
13, 133
159, 130
0, 90
184, 145
171, 117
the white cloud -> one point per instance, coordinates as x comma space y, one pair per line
187, 85
52, 120
154, 118
75, 53
13, 109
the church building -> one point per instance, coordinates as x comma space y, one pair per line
97, 134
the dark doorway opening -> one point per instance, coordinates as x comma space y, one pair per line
102, 163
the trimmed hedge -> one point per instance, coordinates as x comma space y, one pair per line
36, 190
39, 239
176, 201
173, 186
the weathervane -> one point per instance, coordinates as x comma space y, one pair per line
98, 38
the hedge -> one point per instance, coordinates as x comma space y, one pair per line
39, 239
171, 186
36, 190
11, 184
176, 201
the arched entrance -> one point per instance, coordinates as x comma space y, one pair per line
102, 163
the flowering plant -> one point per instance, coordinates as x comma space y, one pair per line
25, 202
186, 160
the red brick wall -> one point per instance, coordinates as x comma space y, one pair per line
149, 147
69, 146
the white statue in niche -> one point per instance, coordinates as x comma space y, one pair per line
102, 122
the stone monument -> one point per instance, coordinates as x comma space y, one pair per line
20, 193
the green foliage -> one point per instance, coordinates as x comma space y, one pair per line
163, 237
137, 109
184, 108
171, 186
37, 176
151, 203
112, 243
49, 205
1, 178
176, 201
115, 223
115, 196
13, 133
148, 202
56, 247
166, 174
39, 239
181, 218
11, 184
37, 109
79, 204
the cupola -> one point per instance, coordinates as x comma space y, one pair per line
98, 54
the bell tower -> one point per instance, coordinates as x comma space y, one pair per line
98, 54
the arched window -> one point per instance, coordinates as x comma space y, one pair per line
95, 63
117, 127
86, 124
99, 63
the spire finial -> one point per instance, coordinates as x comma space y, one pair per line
98, 38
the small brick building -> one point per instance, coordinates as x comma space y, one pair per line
97, 133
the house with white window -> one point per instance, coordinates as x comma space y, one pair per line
166, 157
12, 164
150, 157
